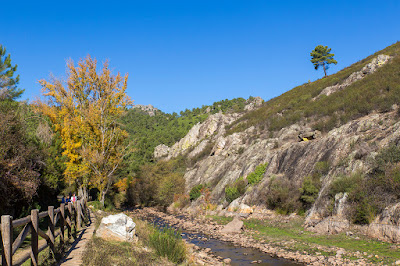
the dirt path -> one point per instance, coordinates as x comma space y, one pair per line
73, 256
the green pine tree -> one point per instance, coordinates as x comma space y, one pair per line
321, 56
8, 84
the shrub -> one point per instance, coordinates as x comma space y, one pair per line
195, 192
321, 168
235, 190
283, 195
181, 201
345, 184
309, 190
389, 155
256, 176
168, 243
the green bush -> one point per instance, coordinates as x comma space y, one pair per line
195, 192
309, 190
256, 176
321, 168
389, 155
282, 195
345, 184
235, 190
168, 243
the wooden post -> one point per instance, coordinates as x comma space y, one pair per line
7, 237
34, 237
69, 220
51, 228
62, 224
79, 217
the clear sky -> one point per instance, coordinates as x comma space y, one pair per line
185, 54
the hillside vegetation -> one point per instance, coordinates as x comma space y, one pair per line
375, 92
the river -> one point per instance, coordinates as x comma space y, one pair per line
238, 255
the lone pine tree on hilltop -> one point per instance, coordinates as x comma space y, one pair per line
321, 56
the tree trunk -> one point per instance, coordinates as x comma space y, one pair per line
83, 192
324, 69
102, 197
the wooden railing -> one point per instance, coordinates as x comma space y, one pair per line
67, 215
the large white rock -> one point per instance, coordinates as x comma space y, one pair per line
118, 227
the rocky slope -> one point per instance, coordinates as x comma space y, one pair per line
347, 149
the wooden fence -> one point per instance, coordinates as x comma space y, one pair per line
67, 215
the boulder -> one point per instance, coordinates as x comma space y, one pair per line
161, 150
117, 227
235, 226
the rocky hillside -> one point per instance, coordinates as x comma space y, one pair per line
274, 157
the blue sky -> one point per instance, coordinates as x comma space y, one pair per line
185, 54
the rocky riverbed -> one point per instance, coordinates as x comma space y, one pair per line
284, 249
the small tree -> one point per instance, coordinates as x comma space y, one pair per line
8, 84
321, 56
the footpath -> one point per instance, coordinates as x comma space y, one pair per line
73, 256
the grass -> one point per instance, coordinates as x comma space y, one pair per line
102, 252
283, 233
154, 247
220, 219
376, 92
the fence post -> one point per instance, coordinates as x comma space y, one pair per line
79, 217
51, 228
7, 237
62, 223
34, 237
69, 217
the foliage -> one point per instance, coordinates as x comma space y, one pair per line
85, 114
309, 190
256, 176
168, 243
282, 195
20, 160
8, 84
321, 168
375, 92
235, 190
321, 57
195, 192
157, 184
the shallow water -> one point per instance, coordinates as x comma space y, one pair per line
238, 255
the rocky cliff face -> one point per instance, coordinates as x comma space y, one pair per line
348, 149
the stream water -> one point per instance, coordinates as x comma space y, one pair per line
238, 255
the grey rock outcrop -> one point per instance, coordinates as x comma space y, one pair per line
149, 109
253, 102
214, 125
377, 62
386, 225
161, 151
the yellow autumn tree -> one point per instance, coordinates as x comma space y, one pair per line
85, 110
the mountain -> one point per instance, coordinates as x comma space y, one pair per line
329, 149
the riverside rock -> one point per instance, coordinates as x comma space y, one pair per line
235, 226
117, 227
